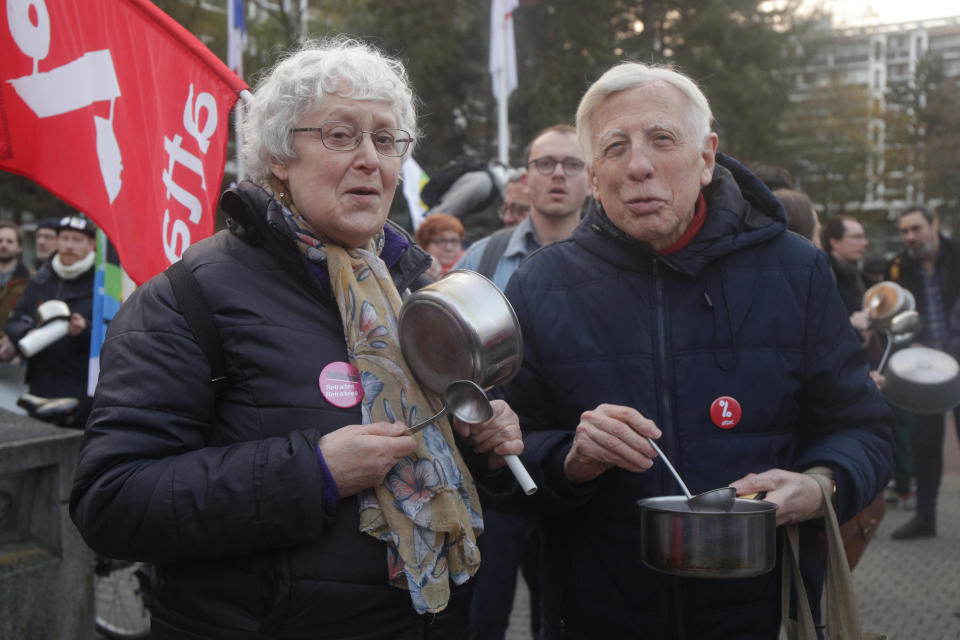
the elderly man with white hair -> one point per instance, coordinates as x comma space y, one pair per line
681, 311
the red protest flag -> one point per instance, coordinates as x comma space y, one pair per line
121, 112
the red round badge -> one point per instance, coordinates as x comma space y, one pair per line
725, 412
340, 385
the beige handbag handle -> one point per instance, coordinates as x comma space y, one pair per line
841, 615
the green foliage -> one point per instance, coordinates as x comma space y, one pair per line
923, 136
559, 53
19, 195
938, 122
738, 51
444, 47
825, 143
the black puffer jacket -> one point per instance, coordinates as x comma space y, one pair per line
226, 495
60, 370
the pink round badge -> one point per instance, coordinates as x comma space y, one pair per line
340, 385
725, 412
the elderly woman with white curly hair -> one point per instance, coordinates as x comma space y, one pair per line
290, 501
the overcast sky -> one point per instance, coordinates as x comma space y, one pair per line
887, 11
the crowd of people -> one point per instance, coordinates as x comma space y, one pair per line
658, 284
65, 253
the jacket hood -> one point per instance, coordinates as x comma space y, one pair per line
741, 212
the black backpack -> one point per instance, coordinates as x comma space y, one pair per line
432, 192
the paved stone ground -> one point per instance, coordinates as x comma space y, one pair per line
907, 589
910, 589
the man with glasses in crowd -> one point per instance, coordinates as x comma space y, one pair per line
845, 242
45, 240
516, 202
60, 370
557, 187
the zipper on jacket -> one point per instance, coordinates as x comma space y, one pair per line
663, 368
666, 425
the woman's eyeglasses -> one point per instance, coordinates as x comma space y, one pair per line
546, 165
343, 136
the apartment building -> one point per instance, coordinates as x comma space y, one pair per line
848, 90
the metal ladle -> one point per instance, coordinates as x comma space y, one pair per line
467, 400
721, 499
463, 399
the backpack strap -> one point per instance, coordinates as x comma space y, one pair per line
493, 251
196, 310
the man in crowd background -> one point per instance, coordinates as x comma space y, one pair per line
845, 242
557, 188
928, 267
45, 240
60, 370
516, 201
13, 279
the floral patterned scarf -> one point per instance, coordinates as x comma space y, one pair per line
427, 509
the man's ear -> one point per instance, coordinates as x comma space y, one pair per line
594, 182
709, 157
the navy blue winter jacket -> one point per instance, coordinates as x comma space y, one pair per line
745, 310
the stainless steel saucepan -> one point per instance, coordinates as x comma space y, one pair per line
922, 380
462, 327
738, 543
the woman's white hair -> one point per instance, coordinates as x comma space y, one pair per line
300, 80
630, 75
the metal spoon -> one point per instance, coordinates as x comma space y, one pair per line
468, 401
721, 499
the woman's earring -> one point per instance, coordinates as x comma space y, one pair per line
285, 198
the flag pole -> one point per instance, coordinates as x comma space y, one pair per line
503, 124
304, 28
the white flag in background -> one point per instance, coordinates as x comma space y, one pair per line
413, 180
503, 51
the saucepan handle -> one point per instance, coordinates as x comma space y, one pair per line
520, 473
